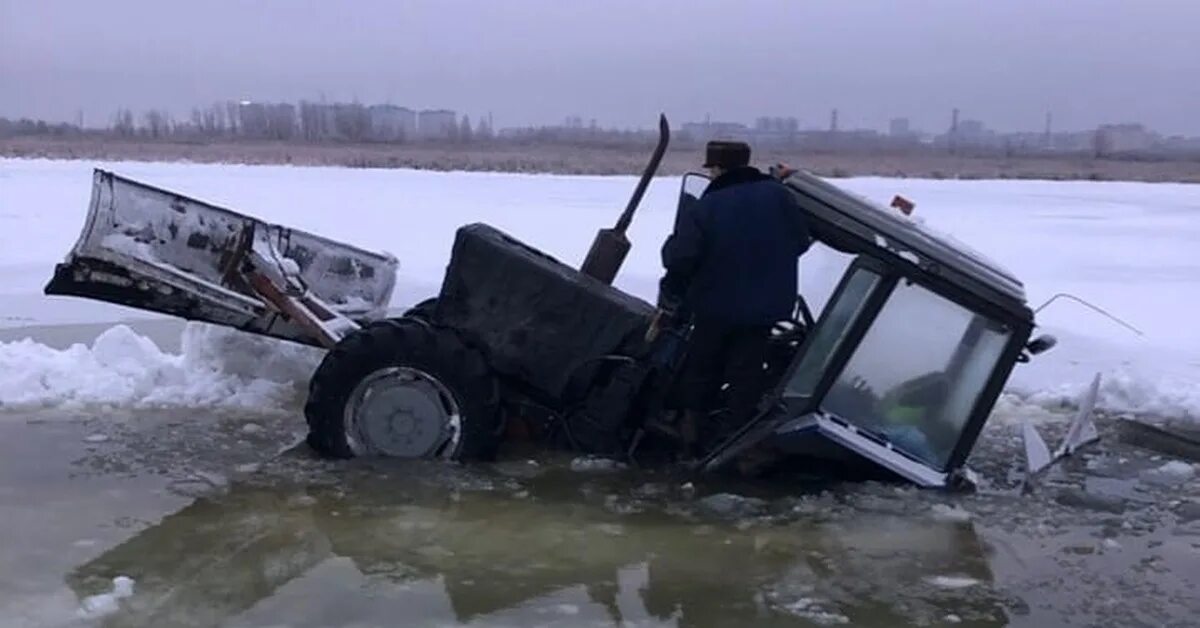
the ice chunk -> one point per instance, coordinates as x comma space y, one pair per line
1169, 474
1082, 429
588, 463
810, 609
730, 505
955, 514
1089, 500
1037, 455
952, 582
1178, 468
103, 604
99, 605
122, 586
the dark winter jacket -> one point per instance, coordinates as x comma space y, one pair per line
732, 259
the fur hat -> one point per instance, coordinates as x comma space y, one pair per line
726, 154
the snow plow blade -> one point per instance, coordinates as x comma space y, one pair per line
155, 250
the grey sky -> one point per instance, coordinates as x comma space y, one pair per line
620, 61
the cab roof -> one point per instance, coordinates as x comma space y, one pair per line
848, 222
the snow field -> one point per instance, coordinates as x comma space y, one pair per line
1126, 247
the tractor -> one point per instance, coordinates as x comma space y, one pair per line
895, 375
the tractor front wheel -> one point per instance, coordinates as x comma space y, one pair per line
404, 389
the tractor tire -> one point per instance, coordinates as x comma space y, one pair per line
403, 388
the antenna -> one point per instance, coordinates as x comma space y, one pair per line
1094, 307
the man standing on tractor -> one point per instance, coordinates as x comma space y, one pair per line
731, 271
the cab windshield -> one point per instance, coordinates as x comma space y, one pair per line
915, 376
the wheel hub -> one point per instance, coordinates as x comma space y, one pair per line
402, 412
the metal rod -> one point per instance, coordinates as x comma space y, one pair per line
1094, 307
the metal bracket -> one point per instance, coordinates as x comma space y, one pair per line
287, 294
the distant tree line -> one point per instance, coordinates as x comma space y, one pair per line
26, 126
319, 122
308, 122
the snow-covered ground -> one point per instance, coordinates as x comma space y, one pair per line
1126, 247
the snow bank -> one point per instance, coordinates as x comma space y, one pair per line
217, 368
1132, 393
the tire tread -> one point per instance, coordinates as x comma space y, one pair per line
404, 342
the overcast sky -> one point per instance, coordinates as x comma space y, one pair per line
619, 61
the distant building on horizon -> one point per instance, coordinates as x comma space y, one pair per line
436, 123
969, 133
390, 123
776, 125
971, 129
1125, 138
707, 131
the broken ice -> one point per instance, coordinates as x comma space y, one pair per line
107, 603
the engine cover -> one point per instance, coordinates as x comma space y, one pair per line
537, 318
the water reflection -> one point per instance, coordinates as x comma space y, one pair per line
505, 550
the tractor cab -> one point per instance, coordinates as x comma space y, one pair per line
908, 354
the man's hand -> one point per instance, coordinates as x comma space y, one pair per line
655, 326
781, 171
663, 317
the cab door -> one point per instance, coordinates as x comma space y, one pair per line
690, 190
842, 324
